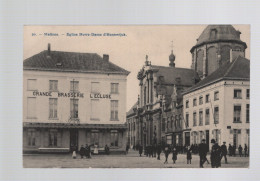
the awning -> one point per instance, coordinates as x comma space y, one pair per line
70, 125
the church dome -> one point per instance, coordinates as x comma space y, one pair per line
219, 33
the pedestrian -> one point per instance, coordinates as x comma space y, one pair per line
107, 149
234, 150
127, 148
174, 155
203, 149
230, 150
189, 156
82, 151
240, 150
215, 156
159, 150
140, 147
95, 149
74, 155
166, 152
245, 149
224, 151
87, 151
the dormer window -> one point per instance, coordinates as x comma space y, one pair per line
213, 34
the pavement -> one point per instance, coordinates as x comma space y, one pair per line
131, 160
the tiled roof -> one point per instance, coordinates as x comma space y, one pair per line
239, 69
72, 62
173, 75
131, 110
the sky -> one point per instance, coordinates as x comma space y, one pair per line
127, 51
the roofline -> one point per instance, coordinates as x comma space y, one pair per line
215, 81
216, 41
78, 71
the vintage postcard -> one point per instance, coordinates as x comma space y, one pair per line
154, 96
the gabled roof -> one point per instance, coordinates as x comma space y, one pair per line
238, 69
71, 62
131, 110
173, 75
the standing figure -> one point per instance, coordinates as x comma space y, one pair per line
87, 151
203, 149
166, 152
96, 149
107, 150
189, 156
140, 147
224, 151
159, 150
74, 155
127, 148
82, 151
174, 154
215, 156
230, 150
245, 149
234, 150
240, 150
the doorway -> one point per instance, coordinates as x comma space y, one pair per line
73, 140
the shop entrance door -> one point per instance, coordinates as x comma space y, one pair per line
73, 140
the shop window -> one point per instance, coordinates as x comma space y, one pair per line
31, 137
114, 138
114, 110
53, 107
53, 138
74, 103
31, 84
114, 88
53, 85
237, 114
237, 93
74, 86
95, 137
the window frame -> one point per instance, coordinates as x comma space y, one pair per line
207, 98
207, 118
194, 119
248, 93
114, 88
53, 143
247, 113
216, 121
31, 137
200, 100
114, 110
201, 117
71, 86
52, 84
236, 96
187, 104
194, 102
114, 138
52, 107
216, 95
234, 114
72, 103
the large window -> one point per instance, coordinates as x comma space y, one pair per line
31, 107
114, 110
74, 103
200, 100
216, 95
114, 138
201, 118
194, 119
74, 86
53, 107
31, 84
195, 102
237, 114
247, 113
31, 137
95, 87
237, 93
248, 93
187, 120
207, 98
216, 115
207, 117
114, 88
187, 104
95, 109
53, 138
53, 85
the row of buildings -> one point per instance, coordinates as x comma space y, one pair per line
182, 106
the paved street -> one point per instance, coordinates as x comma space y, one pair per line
132, 160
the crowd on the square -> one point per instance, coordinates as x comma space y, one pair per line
216, 154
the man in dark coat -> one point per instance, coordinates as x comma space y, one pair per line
215, 156
240, 150
159, 150
230, 149
107, 150
82, 151
245, 149
87, 151
174, 155
127, 148
203, 149
224, 151
140, 150
166, 152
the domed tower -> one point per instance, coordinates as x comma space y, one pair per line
213, 48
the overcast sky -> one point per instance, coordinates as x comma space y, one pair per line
128, 51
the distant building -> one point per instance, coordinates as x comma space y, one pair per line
72, 99
132, 126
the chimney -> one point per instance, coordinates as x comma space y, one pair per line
236, 53
106, 57
49, 49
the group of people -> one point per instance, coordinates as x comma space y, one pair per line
85, 151
232, 150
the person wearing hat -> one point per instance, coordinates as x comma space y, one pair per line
215, 156
203, 150
82, 151
224, 151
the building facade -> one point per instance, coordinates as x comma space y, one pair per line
72, 99
218, 107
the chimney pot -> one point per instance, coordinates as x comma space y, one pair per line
106, 57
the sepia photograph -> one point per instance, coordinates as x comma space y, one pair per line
136, 96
